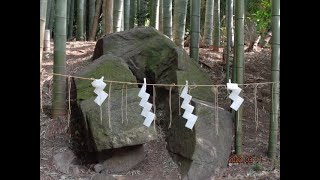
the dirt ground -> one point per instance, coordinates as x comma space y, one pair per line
55, 136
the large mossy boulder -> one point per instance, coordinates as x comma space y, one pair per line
125, 125
145, 52
152, 55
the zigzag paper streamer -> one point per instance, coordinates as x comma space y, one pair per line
237, 100
188, 107
99, 86
149, 116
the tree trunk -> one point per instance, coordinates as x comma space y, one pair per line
70, 25
68, 15
46, 45
118, 6
239, 56
85, 19
122, 18
208, 25
126, 14
195, 29
52, 16
91, 14
142, 12
275, 69
161, 16
167, 18
43, 16
216, 21
108, 16
95, 20
133, 12
139, 12
80, 16
154, 19
59, 64
229, 15
49, 4
180, 13
103, 17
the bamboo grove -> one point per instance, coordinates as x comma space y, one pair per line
88, 20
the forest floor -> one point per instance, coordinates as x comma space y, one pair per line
55, 136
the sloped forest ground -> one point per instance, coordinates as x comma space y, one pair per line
55, 136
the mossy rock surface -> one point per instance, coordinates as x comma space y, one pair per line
112, 68
126, 124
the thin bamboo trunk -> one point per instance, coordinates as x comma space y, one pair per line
80, 6
180, 14
167, 18
139, 12
142, 12
275, 69
161, 16
239, 48
103, 17
126, 14
133, 12
43, 16
85, 19
154, 21
117, 13
68, 15
95, 20
232, 23
59, 65
208, 25
46, 45
229, 36
70, 25
49, 4
109, 16
195, 30
122, 18
216, 22
90, 16
190, 17
52, 17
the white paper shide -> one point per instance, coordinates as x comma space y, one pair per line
188, 107
99, 86
237, 100
146, 112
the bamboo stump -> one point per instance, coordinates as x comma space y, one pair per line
46, 45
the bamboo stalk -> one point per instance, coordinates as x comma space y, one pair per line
180, 14
195, 30
43, 15
275, 69
46, 46
239, 48
167, 18
208, 24
59, 64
